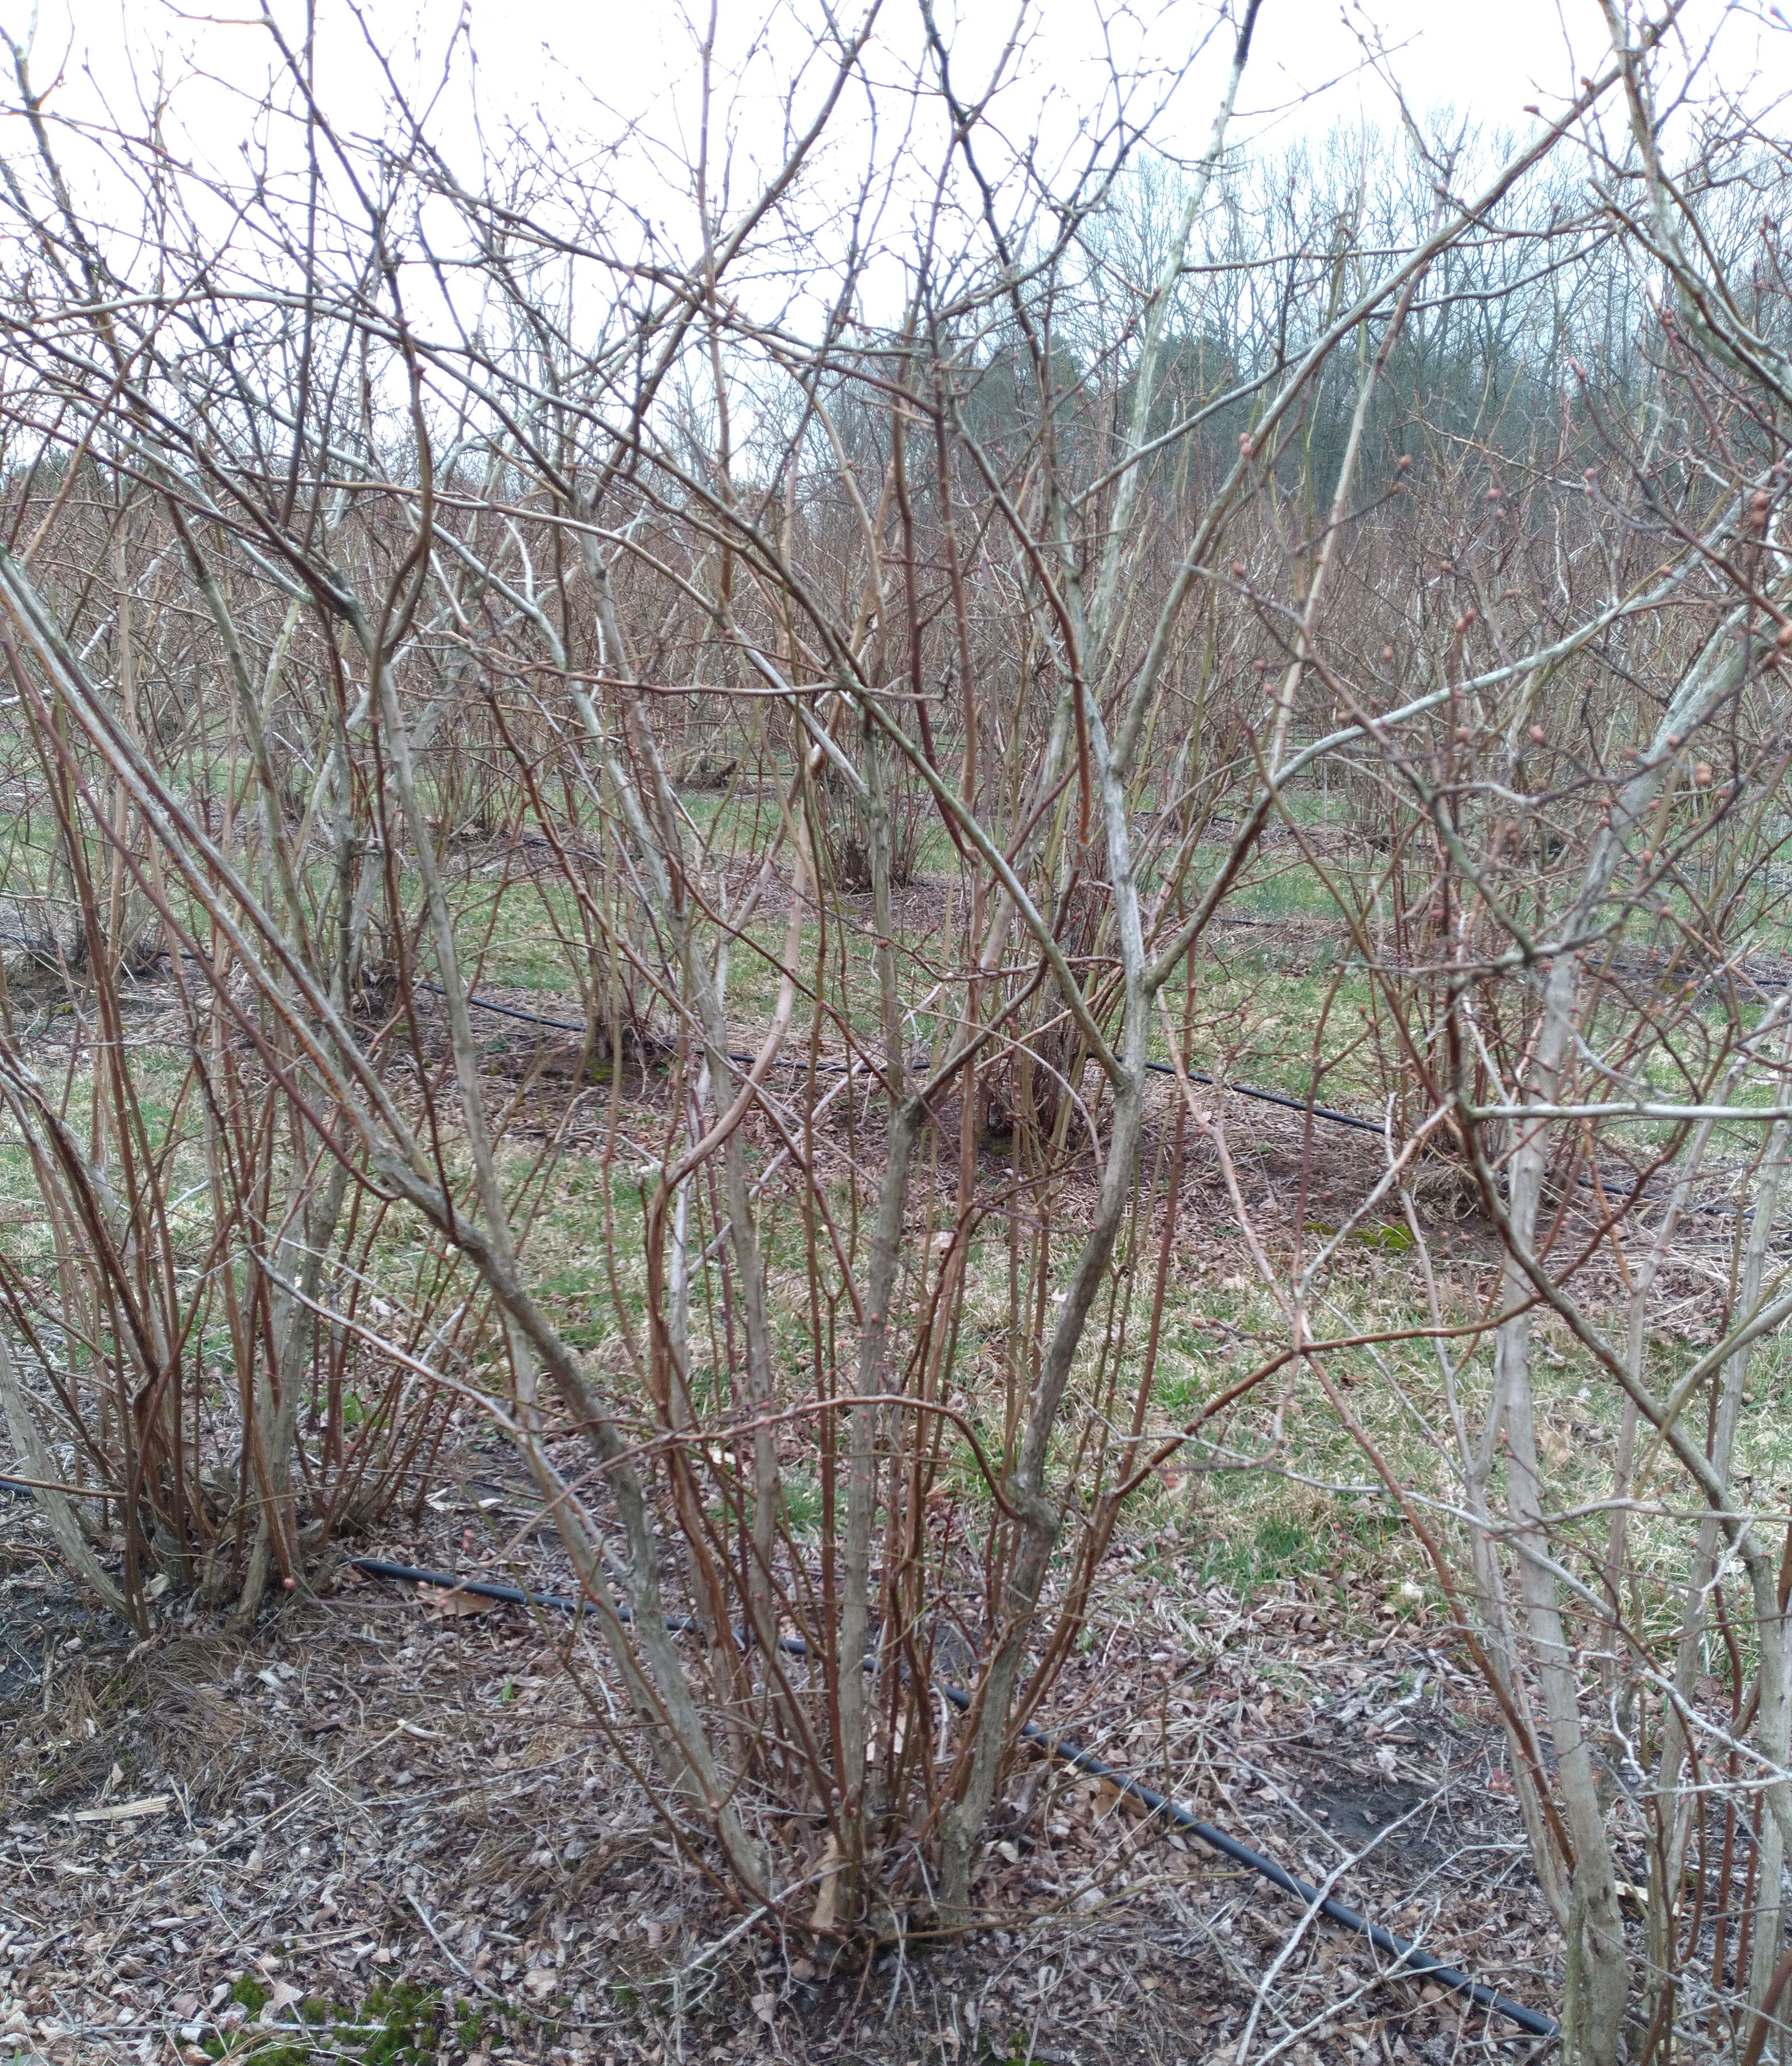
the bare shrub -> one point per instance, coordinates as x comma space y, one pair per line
1386, 709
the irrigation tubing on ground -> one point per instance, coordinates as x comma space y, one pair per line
1276, 1097
479, 1003
1329, 1114
1332, 1117
1413, 1957
840, 1068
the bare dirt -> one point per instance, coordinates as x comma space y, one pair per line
372, 1830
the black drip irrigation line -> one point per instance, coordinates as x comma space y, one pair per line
1413, 1957
488, 1588
508, 1011
479, 1003
1628, 1193
842, 1068
1329, 1114
1274, 1097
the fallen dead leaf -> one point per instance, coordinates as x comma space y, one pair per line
443, 1603
284, 1996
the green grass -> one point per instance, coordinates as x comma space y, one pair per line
399, 2023
1255, 1517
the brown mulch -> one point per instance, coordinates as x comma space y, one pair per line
372, 1811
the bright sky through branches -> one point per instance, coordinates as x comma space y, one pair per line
639, 61
616, 92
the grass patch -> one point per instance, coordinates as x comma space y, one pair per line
399, 2024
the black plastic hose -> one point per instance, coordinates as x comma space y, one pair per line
1328, 1113
478, 1003
1406, 1953
1276, 1097
1334, 1118
1412, 1956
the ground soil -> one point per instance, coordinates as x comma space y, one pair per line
409, 1825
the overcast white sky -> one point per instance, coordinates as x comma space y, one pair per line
1492, 57
1486, 57
587, 71
1487, 60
